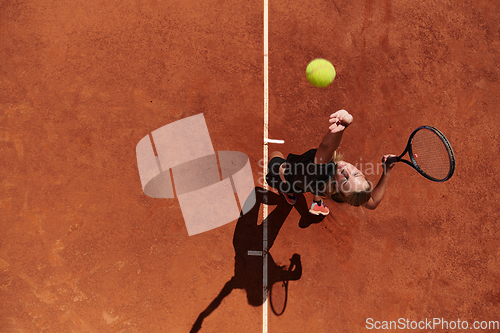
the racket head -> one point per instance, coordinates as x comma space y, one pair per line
278, 297
431, 154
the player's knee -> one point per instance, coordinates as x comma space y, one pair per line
276, 154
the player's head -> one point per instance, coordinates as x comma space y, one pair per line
349, 185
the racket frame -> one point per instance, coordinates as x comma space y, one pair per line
413, 163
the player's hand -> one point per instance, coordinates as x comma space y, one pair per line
389, 161
340, 120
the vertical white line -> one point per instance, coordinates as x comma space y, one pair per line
266, 136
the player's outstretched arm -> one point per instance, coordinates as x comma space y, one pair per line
331, 141
379, 190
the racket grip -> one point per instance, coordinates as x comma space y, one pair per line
392, 159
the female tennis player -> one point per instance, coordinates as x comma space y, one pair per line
323, 173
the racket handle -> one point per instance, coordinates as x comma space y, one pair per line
392, 159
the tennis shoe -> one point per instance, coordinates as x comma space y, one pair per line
319, 209
290, 198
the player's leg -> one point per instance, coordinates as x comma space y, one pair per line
284, 187
276, 154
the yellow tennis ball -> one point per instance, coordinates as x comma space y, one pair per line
320, 73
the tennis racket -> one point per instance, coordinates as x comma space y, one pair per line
430, 154
278, 297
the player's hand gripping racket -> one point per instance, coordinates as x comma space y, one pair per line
430, 154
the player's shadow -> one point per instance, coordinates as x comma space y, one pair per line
248, 236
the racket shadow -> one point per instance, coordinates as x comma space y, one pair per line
278, 294
248, 269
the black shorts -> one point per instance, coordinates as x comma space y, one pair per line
273, 176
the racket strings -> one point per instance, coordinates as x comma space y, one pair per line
431, 154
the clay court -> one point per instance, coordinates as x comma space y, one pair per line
83, 249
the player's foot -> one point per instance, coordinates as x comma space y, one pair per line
319, 208
290, 198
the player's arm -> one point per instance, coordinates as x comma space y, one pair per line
331, 141
379, 190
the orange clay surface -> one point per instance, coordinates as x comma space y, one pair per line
82, 249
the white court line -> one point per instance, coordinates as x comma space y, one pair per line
273, 141
266, 138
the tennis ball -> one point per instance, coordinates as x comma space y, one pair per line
320, 73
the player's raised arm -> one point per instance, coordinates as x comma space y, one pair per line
331, 141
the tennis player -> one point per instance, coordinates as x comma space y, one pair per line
323, 173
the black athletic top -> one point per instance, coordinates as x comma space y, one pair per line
306, 176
